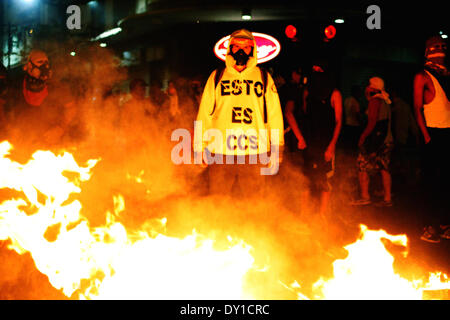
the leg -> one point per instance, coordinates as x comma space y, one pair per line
387, 182
221, 179
325, 194
364, 184
251, 181
324, 202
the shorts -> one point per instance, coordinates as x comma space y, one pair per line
318, 170
375, 161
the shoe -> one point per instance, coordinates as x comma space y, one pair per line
430, 235
360, 202
384, 203
445, 234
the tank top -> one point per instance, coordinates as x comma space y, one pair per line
437, 112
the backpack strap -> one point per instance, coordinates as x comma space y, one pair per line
217, 77
264, 79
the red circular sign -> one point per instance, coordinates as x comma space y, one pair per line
290, 31
330, 32
267, 47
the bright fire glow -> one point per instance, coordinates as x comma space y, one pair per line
111, 262
107, 262
368, 273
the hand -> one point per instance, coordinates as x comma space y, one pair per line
360, 143
427, 138
301, 144
329, 153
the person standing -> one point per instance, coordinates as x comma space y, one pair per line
239, 121
40, 112
353, 120
432, 110
294, 110
375, 143
323, 124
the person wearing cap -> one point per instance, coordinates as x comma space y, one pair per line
39, 112
432, 111
322, 127
375, 143
239, 121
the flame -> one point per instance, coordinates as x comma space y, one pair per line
111, 262
368, 272
107, 262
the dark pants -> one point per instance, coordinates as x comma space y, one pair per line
317, 169
238, 180
436, 176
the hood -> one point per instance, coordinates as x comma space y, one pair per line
230, 62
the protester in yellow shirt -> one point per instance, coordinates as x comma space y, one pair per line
240, 119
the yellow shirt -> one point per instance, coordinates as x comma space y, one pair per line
235, 125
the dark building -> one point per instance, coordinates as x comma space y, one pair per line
161, 39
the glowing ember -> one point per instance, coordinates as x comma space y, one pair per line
107, 262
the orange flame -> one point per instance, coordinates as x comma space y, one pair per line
107, 262
368, 272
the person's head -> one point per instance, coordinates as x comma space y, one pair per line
435, 49
376, 89
37, 70
171, 88
137, 88
242, 48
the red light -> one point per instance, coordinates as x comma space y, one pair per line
290, 31
330, 32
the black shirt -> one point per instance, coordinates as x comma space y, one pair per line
320, 116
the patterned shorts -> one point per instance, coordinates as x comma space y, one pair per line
375, 161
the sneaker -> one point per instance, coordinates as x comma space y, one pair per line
430, 235
360, 202
445, 234
384, 203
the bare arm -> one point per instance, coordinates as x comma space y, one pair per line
372, 116
419, 85
293, 124
336, 103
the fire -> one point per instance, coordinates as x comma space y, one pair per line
111, 262
107, 262
368, 272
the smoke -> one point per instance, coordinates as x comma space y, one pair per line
290, 240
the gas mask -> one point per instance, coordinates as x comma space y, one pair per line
37, 75
241, 57
435, 48
435, 54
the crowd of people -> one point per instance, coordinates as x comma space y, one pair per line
304, 113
